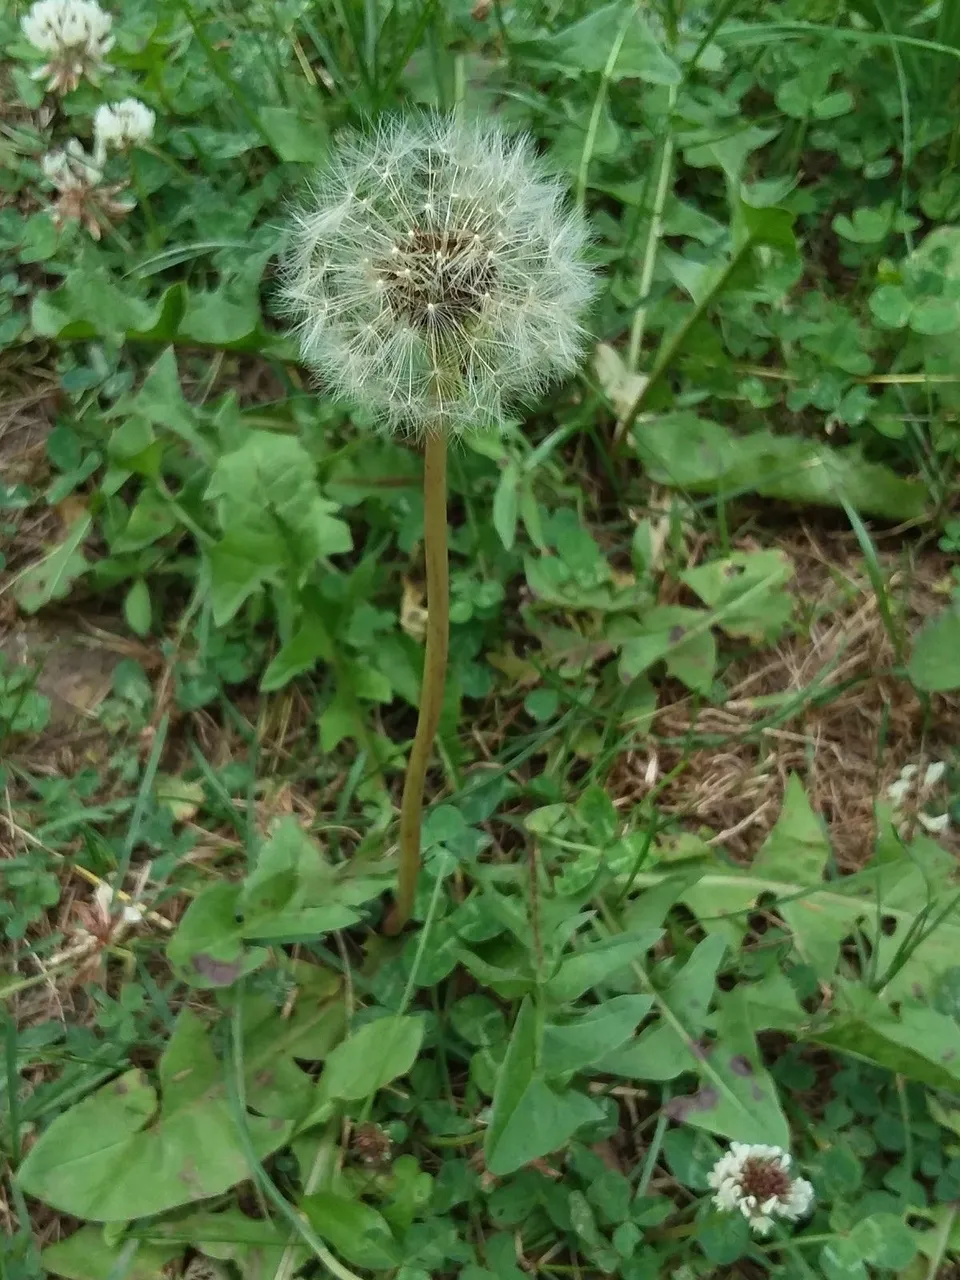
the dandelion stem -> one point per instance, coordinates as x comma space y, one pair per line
434, 675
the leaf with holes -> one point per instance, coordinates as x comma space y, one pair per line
747, 592
902, 901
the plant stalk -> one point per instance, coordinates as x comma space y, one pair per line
434, 676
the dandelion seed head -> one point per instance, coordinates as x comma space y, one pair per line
435, 277
74, 34
123, 124
757, 1180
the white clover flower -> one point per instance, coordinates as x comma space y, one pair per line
757, 1180
75, 34
436, 277
77, 177
130, 912
71, 168
910, 790
122, 124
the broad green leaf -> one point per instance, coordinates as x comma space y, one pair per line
842, 1259
671, 1046
726, 147
516, 1073
377, 1053
293, 893
934, 664
914, 1042
52, 577
746, 590
620, 26
273, 518
136, 608
355, 1230
88, 1255
161, 402
678, 636
308, 644
208, 949
292, 137
738, 1099
90, 305
577, 1045
906, 893
123, 1152
890, 306
867, 226
934, 317
797, 848
597, 963
886, 1241
543, 1121
228, 316
763, 225
687, 452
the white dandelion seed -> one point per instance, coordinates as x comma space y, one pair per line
757, 1180
437, 278
122, 124
74, 34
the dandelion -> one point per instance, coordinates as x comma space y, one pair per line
75, 34
435, 280
77, 177
757, 1180
122, 124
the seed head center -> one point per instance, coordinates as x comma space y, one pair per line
437, 279
763, 1179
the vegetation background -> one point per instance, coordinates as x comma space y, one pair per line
690, 859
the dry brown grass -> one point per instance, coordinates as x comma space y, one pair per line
854, 723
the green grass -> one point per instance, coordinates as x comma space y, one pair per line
700, 623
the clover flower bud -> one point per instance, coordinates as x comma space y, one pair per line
757, 1180
436, 277
75, 34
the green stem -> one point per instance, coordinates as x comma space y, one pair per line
434, 676
654, 232
672, 345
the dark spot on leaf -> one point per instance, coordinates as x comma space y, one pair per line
888, 926
918, 992
949, 1055
220, 973
740, 1066
265, 1077
189, 1175
757, 1093
121, 1087
276, 1123
238, 917
733, 570
676, 634
704, 1099
700, 1048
